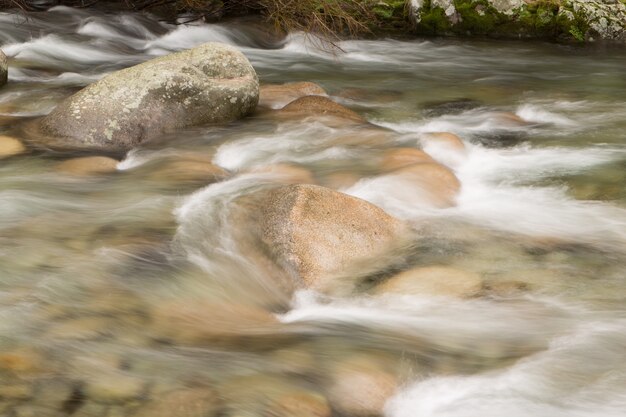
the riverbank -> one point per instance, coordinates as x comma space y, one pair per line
579, 21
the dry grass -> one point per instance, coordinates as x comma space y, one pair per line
326, 19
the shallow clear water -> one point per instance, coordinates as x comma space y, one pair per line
116, 290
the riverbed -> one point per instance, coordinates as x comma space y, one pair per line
95, 270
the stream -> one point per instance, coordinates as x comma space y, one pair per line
117, 290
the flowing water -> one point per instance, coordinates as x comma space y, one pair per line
119, 289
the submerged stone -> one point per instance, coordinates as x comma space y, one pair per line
212, 83
277, 96
10, 146
87, 166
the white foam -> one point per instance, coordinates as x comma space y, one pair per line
290, 143
581, 375
58, 52
188, 36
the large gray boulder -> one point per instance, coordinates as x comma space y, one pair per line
212, 83
4, 69
320, 235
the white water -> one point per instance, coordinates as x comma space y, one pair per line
555, 350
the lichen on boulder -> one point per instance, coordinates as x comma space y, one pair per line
573, 20
212, 83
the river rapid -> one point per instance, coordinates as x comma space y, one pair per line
94, 271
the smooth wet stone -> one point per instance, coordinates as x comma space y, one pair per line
211, 83
87, 166
361, 387
114, 387
318, 106
4, 69
318, 234
286, 173
277, 96
186, 169
397, 158
193, 402
433, 281
10, 146
205, 323
443, 140
432, 183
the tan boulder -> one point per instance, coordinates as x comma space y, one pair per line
397, 158
88, 165
319, 234
436, 183
361, 388
10, 146
287, 173
433, 280
277, 96
443, 139
318, 106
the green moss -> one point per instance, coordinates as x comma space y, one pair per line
477, 17
433, 20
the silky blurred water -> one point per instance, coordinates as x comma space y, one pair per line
116, 289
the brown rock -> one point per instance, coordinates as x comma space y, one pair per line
443, 139
361, 388
89, 165
433, 280
277, 96
10, 146
438, 183
196, 402
397, 158
320, 106
188, 169
197, 322
317, 233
